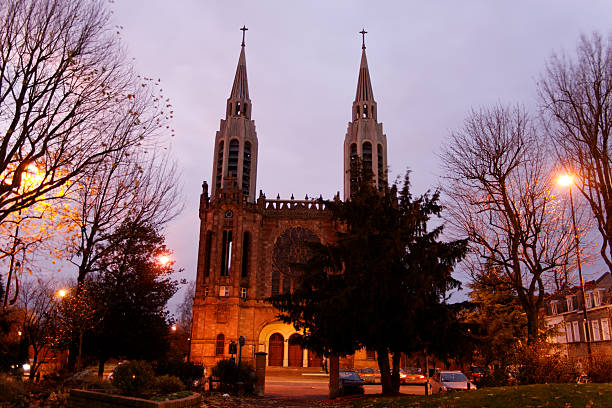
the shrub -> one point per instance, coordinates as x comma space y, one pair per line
189, 373
134, 378
600, 370
167, 384
11, 390
230, 374
540, 363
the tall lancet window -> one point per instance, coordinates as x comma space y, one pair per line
246, 168
219, 165
380, 167
226, 253
232, 159
367, 156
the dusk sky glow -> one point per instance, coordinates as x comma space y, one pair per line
430, 63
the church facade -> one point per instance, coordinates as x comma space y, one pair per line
248, 244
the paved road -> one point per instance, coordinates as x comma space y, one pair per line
316, 387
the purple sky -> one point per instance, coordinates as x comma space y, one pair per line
430, 63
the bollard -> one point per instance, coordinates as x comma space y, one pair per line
260, 372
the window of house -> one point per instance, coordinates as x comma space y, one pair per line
595, 330
553, 307
206, 291
220, 345
568, 333
576, 331
605, 329
597, 298
224, 291
589, 299
370, 354
570, 303
243, 293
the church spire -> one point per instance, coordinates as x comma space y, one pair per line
364, 137
235, 154
240, 90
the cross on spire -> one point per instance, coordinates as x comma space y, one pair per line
244, 30
363, 32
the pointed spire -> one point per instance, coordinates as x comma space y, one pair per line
240, 90
364, 85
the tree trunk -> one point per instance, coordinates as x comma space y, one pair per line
385, 371
101, 362
78, 363
395, 380
334, 375
532, 324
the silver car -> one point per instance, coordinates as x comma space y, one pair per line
450, 381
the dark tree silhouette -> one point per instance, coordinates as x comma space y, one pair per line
382, 274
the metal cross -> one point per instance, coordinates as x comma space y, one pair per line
243, 29
363, 32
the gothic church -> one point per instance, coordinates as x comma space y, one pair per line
248, 244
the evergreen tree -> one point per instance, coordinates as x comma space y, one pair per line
382, 283
130, 296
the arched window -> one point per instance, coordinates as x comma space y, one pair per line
245, 111
232, 159
220, 345
219, 165
367, 156
237, 108
380, 166
353, 151
246, 168
365, 111
246, 242
357, 112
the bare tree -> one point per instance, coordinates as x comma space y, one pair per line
39, 322
499, 180
66, 96
132, 186
576, 98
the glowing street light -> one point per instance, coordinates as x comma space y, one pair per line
62, 293
164, 260
173, 327
567, 180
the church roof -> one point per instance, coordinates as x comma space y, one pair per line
364, 85
240, 90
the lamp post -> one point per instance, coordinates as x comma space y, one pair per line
567, 181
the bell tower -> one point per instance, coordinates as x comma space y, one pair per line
364, 137
235, 153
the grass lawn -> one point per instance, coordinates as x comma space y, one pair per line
541, 395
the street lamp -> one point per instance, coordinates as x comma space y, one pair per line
62, 293
567, 180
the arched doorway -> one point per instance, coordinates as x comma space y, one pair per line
314, 360
295, 352
276, 350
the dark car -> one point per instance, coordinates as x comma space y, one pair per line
477, 373
411, 375
350, 383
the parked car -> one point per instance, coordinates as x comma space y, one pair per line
350, 383
476, 373
411, 375
450, 381
369, 375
